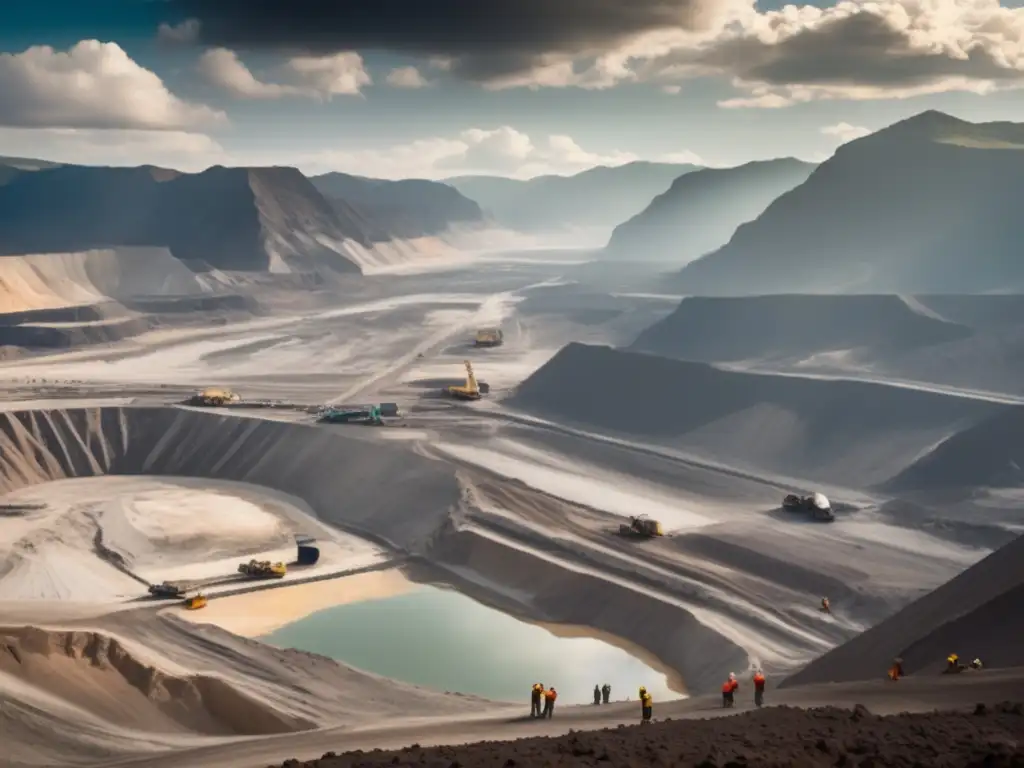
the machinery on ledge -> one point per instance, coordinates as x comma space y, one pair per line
168, 589
262, 569
489, 337
816, 504
213, 397
195, 602
365, 414
471, 390
641, 527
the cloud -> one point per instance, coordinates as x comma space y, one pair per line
484, 41
845, 132
175, 149
407, 77
856, 49
501, 151
318, 77
179, 34
91, 85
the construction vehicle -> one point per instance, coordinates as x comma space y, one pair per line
471, 390
262, 569
167, 589
366, 414
213, 397
641, 526
195, 602
489, 337
816, 504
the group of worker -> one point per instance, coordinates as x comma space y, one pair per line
953, 666
602, 693
541, 695
730, 686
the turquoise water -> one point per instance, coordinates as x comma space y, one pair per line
444, 640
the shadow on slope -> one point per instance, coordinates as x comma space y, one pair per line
845, 432
720, 329
976, 614
98, 674
702, 209
904, 209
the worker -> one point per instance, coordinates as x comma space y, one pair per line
536, 694
729, 689
759, 682
597, 695
952, 663
606, 693
825, 606
976, 664
896, 670
646, 706
549, 701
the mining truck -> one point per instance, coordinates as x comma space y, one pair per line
262, 569
816, 505
641, 526
489, 337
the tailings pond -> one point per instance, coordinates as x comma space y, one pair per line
441, 639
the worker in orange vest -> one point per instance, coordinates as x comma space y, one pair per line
549, 701
759, 682
729, 689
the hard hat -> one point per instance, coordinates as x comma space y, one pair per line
732, 675
643, 689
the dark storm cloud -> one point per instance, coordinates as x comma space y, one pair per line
860, 49
486, 38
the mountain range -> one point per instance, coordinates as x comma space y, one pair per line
702, 209
598, 197
927, 205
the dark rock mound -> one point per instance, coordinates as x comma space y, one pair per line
780, 736
725, 329
976, 614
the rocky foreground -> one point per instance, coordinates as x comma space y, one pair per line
778, 736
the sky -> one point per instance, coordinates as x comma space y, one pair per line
519, 88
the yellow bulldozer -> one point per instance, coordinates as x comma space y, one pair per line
195, 602
641, 527
262, 569
471, 390
213, 397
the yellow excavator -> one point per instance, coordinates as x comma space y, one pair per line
263, 569
471, 390
195, 602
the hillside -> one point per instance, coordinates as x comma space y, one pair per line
701, 210
407, 208
850, 433
245, 219
10, 167
598, 197
928, 205
786, 328
976, 615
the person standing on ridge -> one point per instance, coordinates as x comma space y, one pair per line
646, 706
535, 696
549, 701
597, 694
729, 689
606, 692
759, 682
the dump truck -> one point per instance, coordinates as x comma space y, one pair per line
213, 397
816, 505
489, 337
641, 526
167, 589
262, 569
471, 390
195, 602
366, 414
